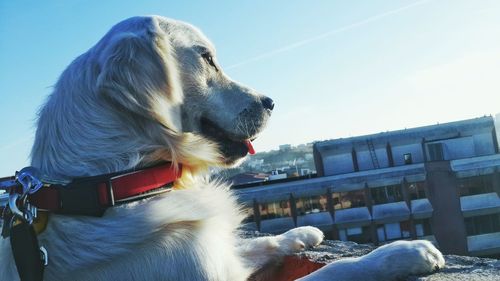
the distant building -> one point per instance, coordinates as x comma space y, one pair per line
245, 178
285, 147
277, 175
304, 172
302, 146
440, 183
255, 163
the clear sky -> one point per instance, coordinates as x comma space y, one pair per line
334, 68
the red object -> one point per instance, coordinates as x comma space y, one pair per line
294, 267
251, 150
128, 185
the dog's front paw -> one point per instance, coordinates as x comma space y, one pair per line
299, 238
403, 258
391, 262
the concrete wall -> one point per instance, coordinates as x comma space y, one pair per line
463, 139
466, 147
453, 148
338, 164
459, 148
365, 160
484, 144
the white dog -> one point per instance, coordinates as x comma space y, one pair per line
149, 92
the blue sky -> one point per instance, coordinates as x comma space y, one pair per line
334, 68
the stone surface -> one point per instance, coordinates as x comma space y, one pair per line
457, 267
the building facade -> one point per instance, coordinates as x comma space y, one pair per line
440, 183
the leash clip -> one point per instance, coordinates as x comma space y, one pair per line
29, 178
18, 204
18, 217
18, 207
14, 214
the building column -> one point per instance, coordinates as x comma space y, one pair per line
424, 150
447, 220
256, 213
329, 203
496, 180
331, 209
354, 156
369, 204
406, 196
293, 208
390, 157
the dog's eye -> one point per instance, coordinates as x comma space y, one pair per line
210, 60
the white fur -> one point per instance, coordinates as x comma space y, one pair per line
262, 251
389, 262
186, 234
137, 98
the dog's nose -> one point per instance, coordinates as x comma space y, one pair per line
268, 103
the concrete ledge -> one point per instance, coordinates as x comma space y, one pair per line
359, 216
480, 204
457, 268
484, 244
421, 208
322, 218
391, 212
475, 166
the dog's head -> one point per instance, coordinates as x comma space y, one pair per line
166, 72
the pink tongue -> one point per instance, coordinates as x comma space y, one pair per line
251, 150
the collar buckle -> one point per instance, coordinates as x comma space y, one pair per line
111, 195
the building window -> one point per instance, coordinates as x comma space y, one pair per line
346, 200
423, 227
407, 158
311, 205
483, 224
360, 235
417, 190
250, 215
275, 210
393, 231
405, 229
387, 194
475, 185
435, 151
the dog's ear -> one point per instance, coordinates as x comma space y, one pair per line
139, 72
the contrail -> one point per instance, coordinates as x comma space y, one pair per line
326, 34
285, 49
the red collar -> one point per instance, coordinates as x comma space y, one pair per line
93, 195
